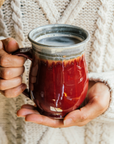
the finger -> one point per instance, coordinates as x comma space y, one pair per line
25, 111
9, 73
79, 120
10, 45
80, 124
14, 92
8, 84
73, 118
1, 45
87, 113
29, 106
8, 60
40, 119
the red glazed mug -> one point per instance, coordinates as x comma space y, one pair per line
58, 80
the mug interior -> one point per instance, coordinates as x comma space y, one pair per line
58, 30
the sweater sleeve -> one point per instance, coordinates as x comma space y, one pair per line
2, 37
108, 79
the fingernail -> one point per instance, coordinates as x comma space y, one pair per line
68, 121
20, 115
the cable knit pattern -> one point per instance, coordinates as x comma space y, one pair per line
8, 121
90, 132
75, 133
109, 51
3, 120
3, 28
3, 137
61, 5
53, 9
46, 9
75, 11
52, 135
11, 121
17, 18
68, 11
20, 100
98, 49
104, 134
36, 133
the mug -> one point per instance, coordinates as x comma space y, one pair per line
58, 79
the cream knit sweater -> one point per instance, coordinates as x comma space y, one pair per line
17, 18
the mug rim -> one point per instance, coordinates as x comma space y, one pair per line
59, 26
57, 49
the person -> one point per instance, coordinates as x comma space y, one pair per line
94, 122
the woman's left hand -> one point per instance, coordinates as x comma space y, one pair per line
98, 101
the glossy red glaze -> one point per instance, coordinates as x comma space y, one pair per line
58, 86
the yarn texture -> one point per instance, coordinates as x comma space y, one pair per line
17, 18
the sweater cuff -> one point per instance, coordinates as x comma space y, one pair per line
108, 79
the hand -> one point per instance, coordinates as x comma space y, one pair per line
11, 69
98, 102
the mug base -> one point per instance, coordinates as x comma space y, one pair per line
51, 115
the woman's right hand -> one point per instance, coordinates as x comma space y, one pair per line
11, 69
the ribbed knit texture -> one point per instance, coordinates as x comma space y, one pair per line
17, 18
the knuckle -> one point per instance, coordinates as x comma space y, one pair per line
100, 104
7, 73
20, 79
83, 117
4, 61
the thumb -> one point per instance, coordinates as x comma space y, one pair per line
83, 115
10, 45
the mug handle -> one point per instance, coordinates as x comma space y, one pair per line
26, 53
